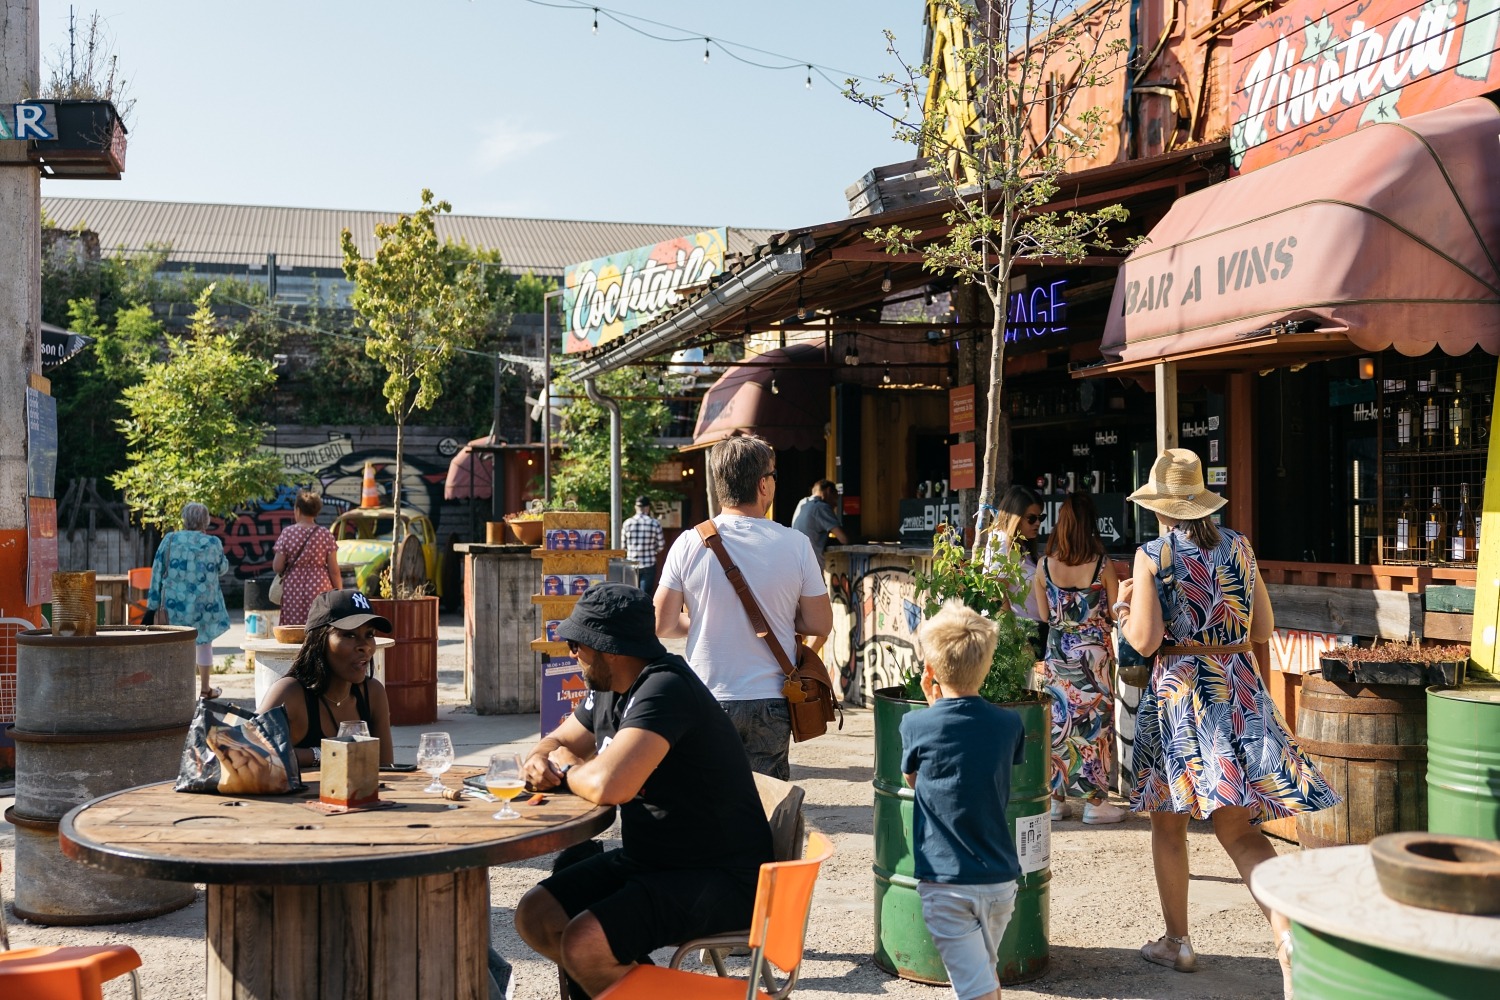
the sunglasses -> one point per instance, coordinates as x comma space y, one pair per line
1033, 519
772, 474
572, 647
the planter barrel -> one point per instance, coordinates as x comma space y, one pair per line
1463, 767
1370, 742
902, 944
94, 715
411, 664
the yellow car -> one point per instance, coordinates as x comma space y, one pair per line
364, 537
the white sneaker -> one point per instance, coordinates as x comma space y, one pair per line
1059, 810
1097, 815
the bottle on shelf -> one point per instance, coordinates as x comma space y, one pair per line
1432, 416
1463, 548
1408, 419
1406, 522
1435, 529
1460, 416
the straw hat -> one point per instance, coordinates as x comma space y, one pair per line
1176, 488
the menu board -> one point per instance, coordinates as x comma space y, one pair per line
41, 444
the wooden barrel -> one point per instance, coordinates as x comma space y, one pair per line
94, 715
1370, 742
411, 664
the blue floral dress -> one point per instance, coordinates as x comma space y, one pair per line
185, 582
1207, 733
1078, 664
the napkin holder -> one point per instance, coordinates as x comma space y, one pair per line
350, 771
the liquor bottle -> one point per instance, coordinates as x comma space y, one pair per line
1435, 530
1406, 520
1460, 417
1408, 419
1463, 548
1432, 416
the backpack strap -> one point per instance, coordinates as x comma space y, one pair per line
709, 532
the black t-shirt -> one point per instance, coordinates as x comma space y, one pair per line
699, 808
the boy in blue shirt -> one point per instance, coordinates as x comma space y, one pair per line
957, 755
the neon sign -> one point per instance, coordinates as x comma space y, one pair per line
1036, 312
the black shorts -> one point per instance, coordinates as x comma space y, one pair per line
641, 909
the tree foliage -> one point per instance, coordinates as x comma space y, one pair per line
583, 439
419, 301
996, 139
187, 432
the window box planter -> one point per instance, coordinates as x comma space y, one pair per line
1447, 674
89, 143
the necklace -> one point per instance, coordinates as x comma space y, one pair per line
338, 703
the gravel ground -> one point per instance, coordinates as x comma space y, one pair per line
1103, 899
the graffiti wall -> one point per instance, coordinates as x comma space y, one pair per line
331, 461
875, 620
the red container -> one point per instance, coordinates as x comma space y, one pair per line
411, 664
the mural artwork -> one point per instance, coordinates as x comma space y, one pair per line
875, 607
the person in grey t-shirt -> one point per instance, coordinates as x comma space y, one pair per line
815, 517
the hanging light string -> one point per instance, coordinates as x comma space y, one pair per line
731, 49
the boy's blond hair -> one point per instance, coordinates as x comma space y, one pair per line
958, 643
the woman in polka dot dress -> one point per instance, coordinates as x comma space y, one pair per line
306, 558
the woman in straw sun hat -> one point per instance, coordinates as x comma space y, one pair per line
1209, 743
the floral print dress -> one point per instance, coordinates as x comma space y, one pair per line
185, 583
1207, 733
1078, 666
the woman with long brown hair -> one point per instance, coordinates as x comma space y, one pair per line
1075, 585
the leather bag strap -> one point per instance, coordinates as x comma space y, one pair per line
709, 532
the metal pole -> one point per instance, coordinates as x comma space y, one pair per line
20, 298
616, 456
547, 394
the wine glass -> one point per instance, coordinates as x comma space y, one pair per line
435, 755
505, 781
356, 728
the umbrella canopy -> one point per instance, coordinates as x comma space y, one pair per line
793, 416
471, 473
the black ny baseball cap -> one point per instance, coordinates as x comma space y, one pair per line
344, 609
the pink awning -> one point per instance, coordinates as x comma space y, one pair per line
471, 474
1387, 237
791, 417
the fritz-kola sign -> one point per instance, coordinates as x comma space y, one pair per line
1314, 71
609, 297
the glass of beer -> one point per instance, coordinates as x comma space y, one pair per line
505, 781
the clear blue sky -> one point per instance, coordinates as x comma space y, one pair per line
502, 107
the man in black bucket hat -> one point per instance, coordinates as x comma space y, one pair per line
650, 739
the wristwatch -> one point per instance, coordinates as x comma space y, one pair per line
562, 775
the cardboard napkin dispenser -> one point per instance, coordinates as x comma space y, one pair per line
350, 772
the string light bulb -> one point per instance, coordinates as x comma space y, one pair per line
885, 282
596, 20
705, 49
809, 76
775, 389
801, 302
886, 375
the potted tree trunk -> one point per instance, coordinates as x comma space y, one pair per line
411, 664
902, 944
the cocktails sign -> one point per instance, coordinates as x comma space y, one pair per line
1315, 70
609, 297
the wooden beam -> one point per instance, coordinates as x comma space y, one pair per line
1166, 406
1453, 627
1383, 614
876, 255
1077, 201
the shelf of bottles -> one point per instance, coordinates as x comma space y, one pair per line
1434, 443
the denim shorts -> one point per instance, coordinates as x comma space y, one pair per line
966, 923
765, 727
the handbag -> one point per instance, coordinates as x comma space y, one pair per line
273, 593
229, 752
1134, 666
808, 687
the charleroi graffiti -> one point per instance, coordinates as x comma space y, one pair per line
875, 645
335, 470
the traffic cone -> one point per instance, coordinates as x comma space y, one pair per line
369, 494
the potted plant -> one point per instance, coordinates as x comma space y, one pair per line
411, 664
89, 101
992, 584
1396, 663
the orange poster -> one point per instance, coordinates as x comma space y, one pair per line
961, 466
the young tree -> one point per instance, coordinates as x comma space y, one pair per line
996, 136
418, 300
187, 432
583, 439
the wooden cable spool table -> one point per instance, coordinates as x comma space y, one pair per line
389, 902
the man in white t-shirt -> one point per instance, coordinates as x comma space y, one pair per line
695, 599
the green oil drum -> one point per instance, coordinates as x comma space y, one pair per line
1463, 760
902, 944
1334, 968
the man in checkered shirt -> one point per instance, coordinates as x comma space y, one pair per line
643, 543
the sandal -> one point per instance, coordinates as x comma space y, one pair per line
210, 694
1173, 952
1284, 957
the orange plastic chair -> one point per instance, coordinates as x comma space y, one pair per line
138, 579
63, 973
783, 899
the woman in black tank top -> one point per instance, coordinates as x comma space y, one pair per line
330, 680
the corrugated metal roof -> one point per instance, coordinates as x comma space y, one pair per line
242, 235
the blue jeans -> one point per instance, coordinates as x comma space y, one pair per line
645, 578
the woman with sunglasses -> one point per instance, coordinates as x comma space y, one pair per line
1018, 523
1075, 584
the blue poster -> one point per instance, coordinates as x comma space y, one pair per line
41, 444
563, 687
